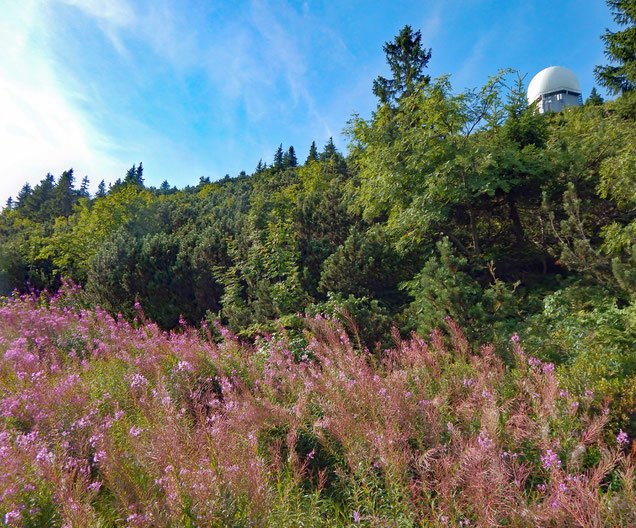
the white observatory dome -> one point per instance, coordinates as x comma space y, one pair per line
553, 79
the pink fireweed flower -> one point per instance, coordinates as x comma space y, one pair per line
548, 368
356, 516
622, 438
13, 514
514, 338
534, 362
550, 460
137, 380
135, 431
484, 440
184, 366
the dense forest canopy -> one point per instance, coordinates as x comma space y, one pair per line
468, 205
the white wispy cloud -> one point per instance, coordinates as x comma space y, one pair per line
116, 12
254, 63
40, 130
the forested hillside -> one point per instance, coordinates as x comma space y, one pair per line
468, 205
452, 209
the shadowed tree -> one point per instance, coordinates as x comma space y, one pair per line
620, 48
313, 153
278, 157
290, 159
101, 190
594, 98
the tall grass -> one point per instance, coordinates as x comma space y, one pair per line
105, 423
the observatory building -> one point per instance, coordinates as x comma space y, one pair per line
554, 88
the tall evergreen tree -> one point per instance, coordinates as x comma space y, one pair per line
24, 194
407, 60
64, 194
134, 176
37, 205
313, 153
278, 157
594, 98
101, 190
620, 48
10, 203
329, 151
290, 159
83, 191
260, 167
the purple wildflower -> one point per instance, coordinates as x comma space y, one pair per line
622, 438
550, 460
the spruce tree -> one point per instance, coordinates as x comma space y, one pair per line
39, 205
594, 99
290, 159
329, 151
130, 175
83, 192
64, 194
24, 195
407, 60
313, 153
278, 157
620, 48
101, 190
134, 176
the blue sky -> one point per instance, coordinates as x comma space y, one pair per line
203, 88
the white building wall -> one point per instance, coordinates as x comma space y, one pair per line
555, 102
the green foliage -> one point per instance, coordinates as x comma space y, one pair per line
591, 333
444, 288
407, 60
465, 205
594, 98
620, 48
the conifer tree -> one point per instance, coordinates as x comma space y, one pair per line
329, 151
290, 159
101, 190
39, 204
407, 60
83, 192
278, 157
620, 48
64, 194
313, 153
595, 98
24, 195
134, 176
